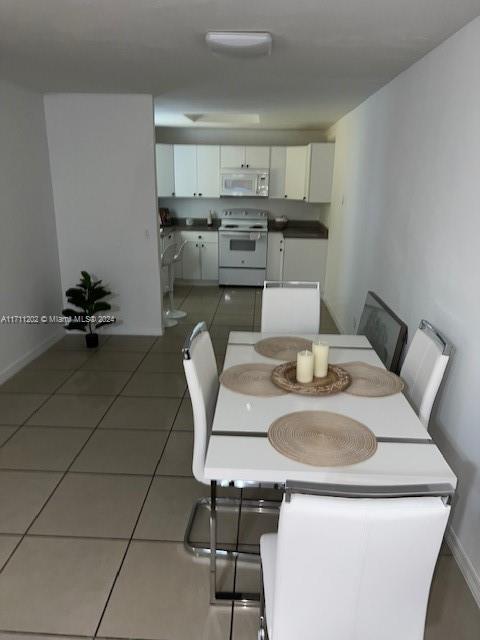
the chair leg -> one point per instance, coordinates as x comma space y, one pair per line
203, 550
262, 631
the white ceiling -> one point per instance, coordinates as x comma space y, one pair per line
328, 55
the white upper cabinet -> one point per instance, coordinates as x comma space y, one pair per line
257, 157
197, 170
296, 173
185, 164
240, 157
208, 171
321, 171
278, 158
232, 157
164, 166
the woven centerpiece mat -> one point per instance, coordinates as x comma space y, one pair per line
322, 438
282, 347
251, 379
336, 380
371, 381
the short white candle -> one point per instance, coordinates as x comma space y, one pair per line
304, 366
320, 355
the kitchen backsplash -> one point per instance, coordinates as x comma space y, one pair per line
198, 208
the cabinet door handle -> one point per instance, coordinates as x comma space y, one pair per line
196, 246
248, 166
199, 194
285, 196
173, 193
304, 197
281, 250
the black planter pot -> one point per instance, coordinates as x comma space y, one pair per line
92, 340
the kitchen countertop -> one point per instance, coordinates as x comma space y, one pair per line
302, 229
308, 229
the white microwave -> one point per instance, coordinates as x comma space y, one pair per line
244, 182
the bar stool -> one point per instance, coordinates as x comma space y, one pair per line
169, 258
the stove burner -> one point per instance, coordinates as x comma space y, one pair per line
230, 226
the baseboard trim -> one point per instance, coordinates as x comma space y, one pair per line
21, 362
466, 567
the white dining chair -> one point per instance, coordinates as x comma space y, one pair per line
171, 256
348, 568
424, 367
290, 307
201, 372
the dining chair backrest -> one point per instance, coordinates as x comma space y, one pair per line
385, 331
355, 568
178, 256
201, 372
424, 367
291, 307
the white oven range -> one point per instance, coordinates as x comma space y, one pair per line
242, 247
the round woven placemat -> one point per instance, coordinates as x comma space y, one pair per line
371, 381
336, 380
282, 347
251, 379
322, 438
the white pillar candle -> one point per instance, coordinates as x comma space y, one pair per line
320, 355
304, 366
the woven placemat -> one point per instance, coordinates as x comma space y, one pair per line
251, 379
370, 381
282, 347
322, 438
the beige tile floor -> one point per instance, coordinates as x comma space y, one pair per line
96, 489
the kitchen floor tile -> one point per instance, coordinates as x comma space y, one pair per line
100, 506
168, 344
95, 383
167, 510
222, 333
5, 433
162, 592
122, 451
113, 361
15, 408
162, 363
28, 381
76, 342
71, 411
253, 525
184, 419
129, 343
42, 448
7, 545
58, 585
177, 457
141, 413
58, 359
22, 495
171, 385
246, 623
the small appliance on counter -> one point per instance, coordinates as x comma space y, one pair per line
165, 217
280, 223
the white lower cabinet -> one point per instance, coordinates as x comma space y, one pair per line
200, 256
305, 259
275, 255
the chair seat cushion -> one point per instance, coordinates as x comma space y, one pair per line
268, 554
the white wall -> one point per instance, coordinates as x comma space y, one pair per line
405, 222
29, 271
103, 176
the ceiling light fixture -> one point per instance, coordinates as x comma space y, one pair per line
243, 44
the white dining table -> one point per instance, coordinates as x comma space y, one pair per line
239, 450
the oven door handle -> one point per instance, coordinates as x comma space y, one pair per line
243, 234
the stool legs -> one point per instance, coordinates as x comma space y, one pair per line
172, 312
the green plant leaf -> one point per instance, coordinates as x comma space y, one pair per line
101, 306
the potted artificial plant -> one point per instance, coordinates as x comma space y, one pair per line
88, 297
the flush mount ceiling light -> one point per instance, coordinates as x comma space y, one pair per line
242, 44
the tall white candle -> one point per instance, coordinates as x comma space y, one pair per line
320, 355
304, 366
